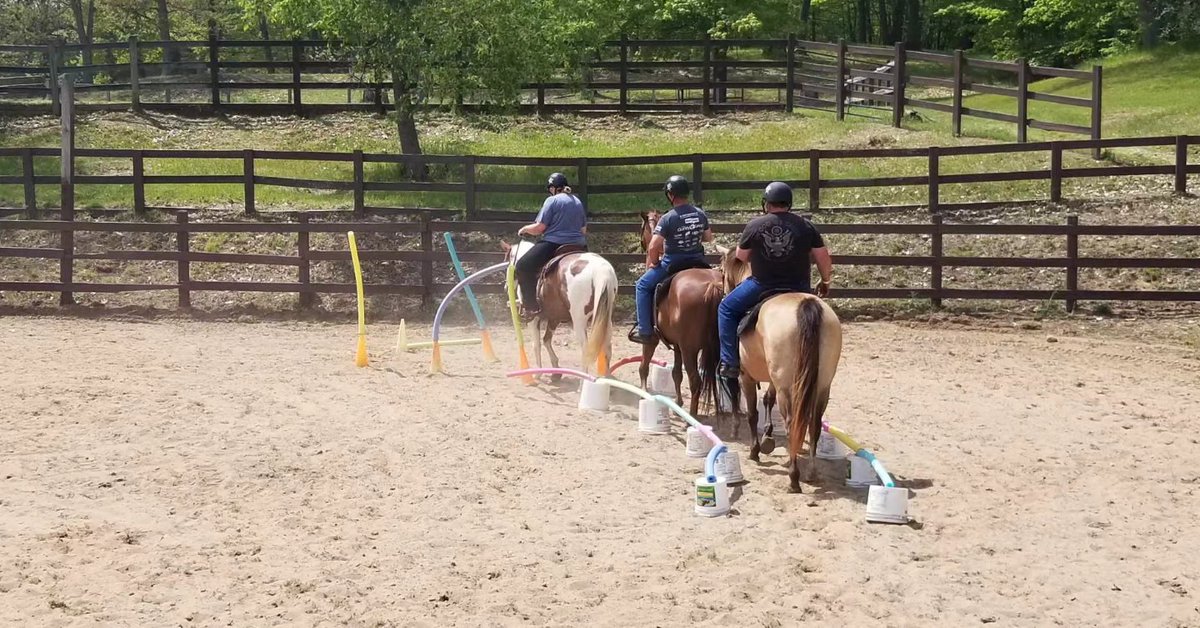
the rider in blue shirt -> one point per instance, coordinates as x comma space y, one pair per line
562, 220
679, 236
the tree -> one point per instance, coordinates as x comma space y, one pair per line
443, 47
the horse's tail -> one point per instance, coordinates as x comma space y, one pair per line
604, 299
710, 352
807, 403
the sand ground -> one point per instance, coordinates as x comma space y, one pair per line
173, 472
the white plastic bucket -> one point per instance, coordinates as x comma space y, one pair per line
830, 448
887, 504
860, 474
729, 466
712, 498
653, 417
698, 444
661, 381
593, 396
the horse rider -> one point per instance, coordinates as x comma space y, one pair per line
780, 246
679, 236
561, 221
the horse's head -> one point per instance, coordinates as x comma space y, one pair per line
734, 269
513, 252
649, 222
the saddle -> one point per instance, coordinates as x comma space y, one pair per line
664, 286
751, 317
559, 253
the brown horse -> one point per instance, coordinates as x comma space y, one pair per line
579, 288
794, 346
687, 325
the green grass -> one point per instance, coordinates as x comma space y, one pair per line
1143, 95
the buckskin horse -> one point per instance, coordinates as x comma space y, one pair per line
685, 318
792, 342
579, 288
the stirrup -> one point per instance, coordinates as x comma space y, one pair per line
635, 337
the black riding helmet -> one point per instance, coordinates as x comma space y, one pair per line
677, 186
557, 180
778, 193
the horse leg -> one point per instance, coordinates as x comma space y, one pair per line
548, 340
785, 409
769, 401
750, 393
537, 341
677, 375
647, 355
690, 361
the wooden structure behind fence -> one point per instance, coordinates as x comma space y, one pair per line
423, 282
630, 76
582, 171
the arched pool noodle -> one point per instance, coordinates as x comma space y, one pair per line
437, 318
631, 360
718, 446
861, 452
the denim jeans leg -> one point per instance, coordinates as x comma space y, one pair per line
733, 307
644, 297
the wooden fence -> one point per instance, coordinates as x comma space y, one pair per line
588, 175
629, 76
426, 255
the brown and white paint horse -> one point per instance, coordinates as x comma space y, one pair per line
582, 291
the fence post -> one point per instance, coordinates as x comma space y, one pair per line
248, 180
790, 99
935, 251
956, 115
27, 181
706, 102
139, 183
297, 52
698, 178
66, 264
426, 259
1097, 82
839, 89
360, 205
1056, 168
1072, 260
305, 277
1181, 164
933, 180
53, 61
1022, 100
898, 85
624, 73
214, 70
814, 180
184, 273
581, 188
135, 70
541, 100
472, 201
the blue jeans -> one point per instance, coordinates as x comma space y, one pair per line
733, 307
644, 294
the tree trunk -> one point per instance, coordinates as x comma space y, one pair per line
84, 26
912, 24
896, 32
862, 12
406, 124
170, 54
264, 31
885, 22
1148, 18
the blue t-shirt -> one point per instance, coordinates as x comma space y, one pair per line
564, 217
683, 229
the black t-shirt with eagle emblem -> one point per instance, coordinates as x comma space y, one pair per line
779, 244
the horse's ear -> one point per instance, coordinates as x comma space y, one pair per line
722, 250
505, 245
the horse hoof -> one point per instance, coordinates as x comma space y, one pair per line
767, 445
556, 378
795, 489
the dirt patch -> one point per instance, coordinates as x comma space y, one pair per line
180, 472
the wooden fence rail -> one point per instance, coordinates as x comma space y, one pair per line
628, 76
588, 173
426, 255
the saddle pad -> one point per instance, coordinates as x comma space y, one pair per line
559, 254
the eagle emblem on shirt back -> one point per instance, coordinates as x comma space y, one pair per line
777, 242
